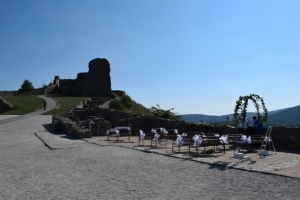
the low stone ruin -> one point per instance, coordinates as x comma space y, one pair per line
77, 123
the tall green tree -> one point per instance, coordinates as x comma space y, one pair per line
26, 87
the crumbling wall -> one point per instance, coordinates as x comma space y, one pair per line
66, 125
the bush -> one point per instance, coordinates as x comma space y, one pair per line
166, 114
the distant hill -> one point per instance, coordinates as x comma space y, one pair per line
281, 117
286, 117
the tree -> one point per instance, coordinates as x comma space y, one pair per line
166, 114
242, 104
26, 87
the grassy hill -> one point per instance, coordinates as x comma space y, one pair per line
26, 104
23, 104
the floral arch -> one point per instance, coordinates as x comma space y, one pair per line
241, 105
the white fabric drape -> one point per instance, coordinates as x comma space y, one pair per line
245, 139
197, 140
179, 140
117, 133
156, 136
223, 139
142, 134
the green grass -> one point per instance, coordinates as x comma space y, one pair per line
23, 104
26, 104
63, 104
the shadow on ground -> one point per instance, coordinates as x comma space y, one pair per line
49, 128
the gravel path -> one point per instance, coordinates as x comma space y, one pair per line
82, 170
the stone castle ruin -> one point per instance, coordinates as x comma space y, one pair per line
94, 83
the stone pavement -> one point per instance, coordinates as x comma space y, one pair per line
285, 163
37, 163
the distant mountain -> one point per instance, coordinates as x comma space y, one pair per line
281, 117
286, 117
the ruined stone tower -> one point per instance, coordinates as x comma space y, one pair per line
95, 83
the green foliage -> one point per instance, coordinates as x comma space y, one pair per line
166, 114
126, 104
242, 104
139, 109
126, 101
23, 104
208, 151
122, 104
26, 87
117, 105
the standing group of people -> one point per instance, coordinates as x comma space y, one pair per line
254, 126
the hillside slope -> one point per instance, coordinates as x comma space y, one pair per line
281, 117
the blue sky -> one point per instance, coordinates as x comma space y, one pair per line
197, 56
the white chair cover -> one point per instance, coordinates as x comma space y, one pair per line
248, 139
117, 133
142, 134
165, 131
223, 139
198, 140
242, 139
156, 136
184, 134
179, 140
107, 132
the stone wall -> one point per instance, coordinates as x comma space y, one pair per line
283, 137
286, 138
71, 125
66, 125
4, 106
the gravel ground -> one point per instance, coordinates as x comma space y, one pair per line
30, 170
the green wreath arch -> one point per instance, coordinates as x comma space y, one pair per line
241, 105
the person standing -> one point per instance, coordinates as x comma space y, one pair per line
241, 128
252, 125
45, 104
259, 127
